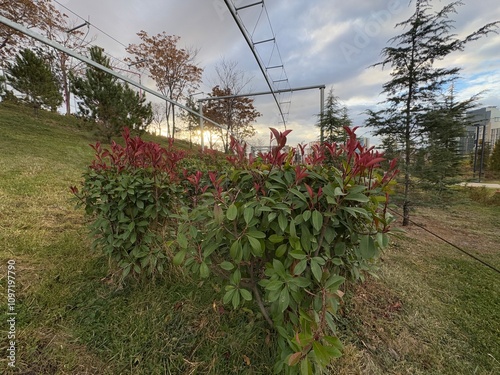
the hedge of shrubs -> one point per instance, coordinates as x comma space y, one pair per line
281, 231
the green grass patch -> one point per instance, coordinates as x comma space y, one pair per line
432, 310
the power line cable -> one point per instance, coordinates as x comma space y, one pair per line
91, 24
102, 31
451, 244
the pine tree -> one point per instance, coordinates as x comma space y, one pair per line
31, 75
443, 126
416, 82
335, 117
108, 102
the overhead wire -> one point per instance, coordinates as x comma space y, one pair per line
91, 24
113, 58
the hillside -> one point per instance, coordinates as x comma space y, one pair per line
432, 311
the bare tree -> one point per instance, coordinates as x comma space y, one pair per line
237, 114
62, 63
172, 68
159, 117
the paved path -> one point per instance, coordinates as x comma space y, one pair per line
479, 184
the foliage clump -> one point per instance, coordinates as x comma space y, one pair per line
286, 235
129, 190
281, 231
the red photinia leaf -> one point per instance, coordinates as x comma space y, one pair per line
285, 133
276, 134
309, 191
332, 148
302, 149
374, 161
137, 154
393, 163
320, 192
213, 178
300, 173
280, 137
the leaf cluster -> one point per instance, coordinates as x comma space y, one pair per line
130, 191
285, 236
272, 233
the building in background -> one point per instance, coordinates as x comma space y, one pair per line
364, 141
485, 120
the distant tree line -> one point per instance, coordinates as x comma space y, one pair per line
49, 79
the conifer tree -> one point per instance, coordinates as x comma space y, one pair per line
32, 76
108, 102
335, 117
443, 126
416, 81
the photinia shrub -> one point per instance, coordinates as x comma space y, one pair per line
286, 235
130, 191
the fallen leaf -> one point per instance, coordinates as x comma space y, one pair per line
246, 359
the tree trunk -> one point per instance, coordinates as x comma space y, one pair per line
173, 121
167, 117
67, 95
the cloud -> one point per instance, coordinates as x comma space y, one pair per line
321, 42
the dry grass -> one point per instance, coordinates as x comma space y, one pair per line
432, 310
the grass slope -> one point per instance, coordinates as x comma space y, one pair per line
432, 311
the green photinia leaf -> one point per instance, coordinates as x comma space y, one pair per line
182, 240
256, 245
232, 212
204, 270
306, 215
306, 367
317, 220
316, 270
228, 266
357, 197
246, 295
367, 247
179, 258
218, 214
284, 299
235, 250
256, 234
281, 250
229, 294
274, 238
248, 214
282, 221
382, 240
236, 299
300, 267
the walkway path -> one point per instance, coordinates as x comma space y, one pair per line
479, 184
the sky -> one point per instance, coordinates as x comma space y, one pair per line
321, 42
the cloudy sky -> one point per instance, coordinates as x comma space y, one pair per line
330, 42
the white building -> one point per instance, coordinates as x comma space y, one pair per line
483, 119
